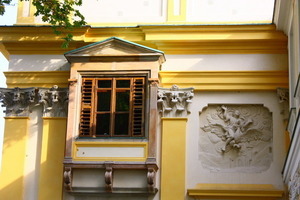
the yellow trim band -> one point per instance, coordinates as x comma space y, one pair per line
225, 80
191, 39
235, 191
24, 79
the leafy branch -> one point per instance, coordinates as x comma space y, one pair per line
61, 14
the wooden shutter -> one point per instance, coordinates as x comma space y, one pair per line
138, 107
85, 128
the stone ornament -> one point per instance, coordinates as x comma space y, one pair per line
283, 97
54, 101
174, 102
17, 100
294, 185
20, 101
235, 138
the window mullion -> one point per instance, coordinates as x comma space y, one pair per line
113, 108
94, 107
131, 108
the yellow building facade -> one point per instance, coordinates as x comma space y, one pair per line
166, 107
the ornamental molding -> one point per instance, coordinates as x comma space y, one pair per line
236, 138
174, 101
21, 101
294, 185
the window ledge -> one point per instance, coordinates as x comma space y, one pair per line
116, 192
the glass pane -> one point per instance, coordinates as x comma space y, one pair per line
102, 124
121, 123
123, 83
103, 103
104, 84
122, 100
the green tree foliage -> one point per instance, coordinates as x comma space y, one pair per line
61, 14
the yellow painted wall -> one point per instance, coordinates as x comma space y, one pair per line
13, 158
53, 147
173, 158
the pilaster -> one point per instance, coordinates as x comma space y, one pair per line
173, 104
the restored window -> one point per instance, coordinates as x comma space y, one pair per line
112, 107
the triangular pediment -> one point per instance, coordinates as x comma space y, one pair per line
112, 48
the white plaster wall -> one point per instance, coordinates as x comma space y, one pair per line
229, 11
226, 62
116, 11
193, 62
38, 63
88, 178
197, 174
33, 155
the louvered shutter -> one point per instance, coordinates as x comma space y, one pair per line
85, 128
138, 106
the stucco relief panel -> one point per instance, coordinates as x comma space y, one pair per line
236, 137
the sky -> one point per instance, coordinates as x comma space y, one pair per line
9, 18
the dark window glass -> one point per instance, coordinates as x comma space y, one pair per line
103, 124
123, 83
121, 124
103, 103
122, 100
104, 83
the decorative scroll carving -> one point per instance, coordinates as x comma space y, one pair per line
151, 180
153, 82
54, 100
68, 179
283, 96
17, 100
72, 82
174, 101
294, 185
108, 177
236, 138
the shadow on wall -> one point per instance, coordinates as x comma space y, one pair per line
38, 63
50, 179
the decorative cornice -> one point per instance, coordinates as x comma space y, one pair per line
226, 80
185, 39
174, 102
20, 101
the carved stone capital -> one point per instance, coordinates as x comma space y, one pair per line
54, 101
20, 101
17, 100
174, 102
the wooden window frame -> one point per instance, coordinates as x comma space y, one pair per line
137, 111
